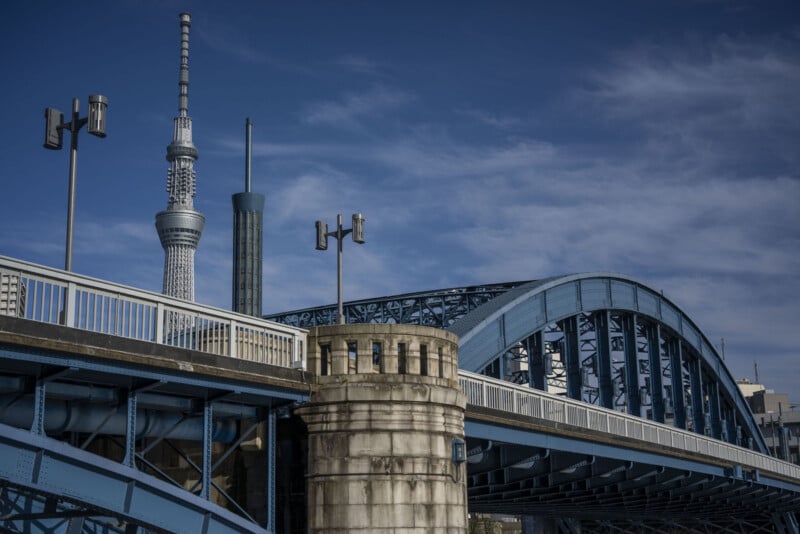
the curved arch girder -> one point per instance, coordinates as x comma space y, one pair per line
509, 321
42, 465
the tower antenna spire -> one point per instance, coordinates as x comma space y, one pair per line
248, 150
180, 226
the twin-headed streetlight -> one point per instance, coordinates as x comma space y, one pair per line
322, 244
54, 137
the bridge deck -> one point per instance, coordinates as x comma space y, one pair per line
101, 350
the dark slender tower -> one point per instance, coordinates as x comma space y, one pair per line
180, 226
248, 218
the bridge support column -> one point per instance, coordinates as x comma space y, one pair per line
386, 450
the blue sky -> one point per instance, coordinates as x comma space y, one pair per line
484, 142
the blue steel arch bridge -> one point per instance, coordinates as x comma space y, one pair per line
594, 404
604, 340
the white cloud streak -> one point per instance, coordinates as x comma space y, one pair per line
351, 107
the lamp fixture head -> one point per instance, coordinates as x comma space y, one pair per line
96, 120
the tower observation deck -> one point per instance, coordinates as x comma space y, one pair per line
180, 225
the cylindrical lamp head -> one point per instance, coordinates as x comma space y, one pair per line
358, 228
96, 121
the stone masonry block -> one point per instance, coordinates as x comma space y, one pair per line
378, 491
411, 489
390, 515
411, 444
370, 444
412, 393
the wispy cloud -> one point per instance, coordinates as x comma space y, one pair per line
494, 120
359, 64
351, 107
700, 101
227, 40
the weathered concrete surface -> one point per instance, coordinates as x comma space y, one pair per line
380, 442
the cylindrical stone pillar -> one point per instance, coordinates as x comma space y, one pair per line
380, 437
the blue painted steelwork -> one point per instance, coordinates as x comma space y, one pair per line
81, 397
205, 479
553, 306
601, 338
38, 465
531, 321
522, 472
439, 308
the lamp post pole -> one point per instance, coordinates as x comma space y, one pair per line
339, 235
74, 126
322, 244
54, 131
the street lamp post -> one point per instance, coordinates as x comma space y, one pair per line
322, 244
53, 139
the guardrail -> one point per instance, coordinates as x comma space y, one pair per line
53, 296
507, 397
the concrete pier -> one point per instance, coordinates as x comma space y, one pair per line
382, 430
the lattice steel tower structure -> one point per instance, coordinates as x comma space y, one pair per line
180, 226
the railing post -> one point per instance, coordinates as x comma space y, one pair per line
232, 339
72, 295
160, 323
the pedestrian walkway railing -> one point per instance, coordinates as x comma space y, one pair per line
53, 296
503, 396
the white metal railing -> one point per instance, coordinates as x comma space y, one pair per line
507, 397
53, 296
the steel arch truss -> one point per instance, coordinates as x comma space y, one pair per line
438, 308
610, 341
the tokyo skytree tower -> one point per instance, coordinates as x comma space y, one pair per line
180, 226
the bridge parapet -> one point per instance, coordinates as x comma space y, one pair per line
58, 297
392, 349
482, 391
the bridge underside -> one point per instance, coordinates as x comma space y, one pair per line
39, 492
150, 432
586, 486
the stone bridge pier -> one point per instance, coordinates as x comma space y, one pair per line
385, 431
